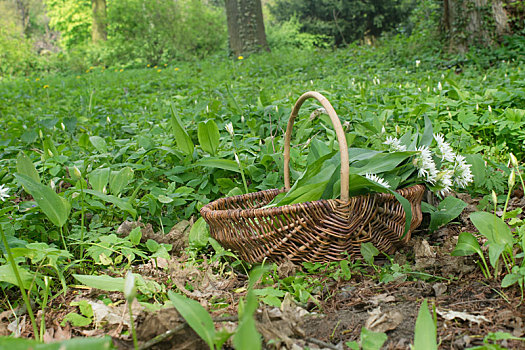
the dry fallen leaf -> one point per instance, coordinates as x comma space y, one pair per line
450, 315
383, 321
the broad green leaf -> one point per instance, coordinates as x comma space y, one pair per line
196, 316
76, 320
120, 179
49, 148
99, 143
183, 140
510, 279
107, 283
428, 133
120, 203
372, 340
199, 234
495, 250
381, 162
85, 308
225, 164
425, 336
99, 178
467, 245
25, 166
478, 168
135, 235
209, 137
492, 227
448, 210
54, 206
369, 252
8, 275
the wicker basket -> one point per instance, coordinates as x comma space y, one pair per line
323, 230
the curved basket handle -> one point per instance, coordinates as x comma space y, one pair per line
343, 146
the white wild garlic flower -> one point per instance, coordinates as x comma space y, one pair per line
462, 174
425, 164
394, 144
447, 153
4, 193
377, 179
418, 62
229, 129
237, 159
443, 182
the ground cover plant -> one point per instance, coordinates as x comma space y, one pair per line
103, 175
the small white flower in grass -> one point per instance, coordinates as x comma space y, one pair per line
490, 109
440, 87
462, 174
377, 179
4, 193
394, 144
229, 128
63, 126
444, 148
443, 182
425, 164
418, 62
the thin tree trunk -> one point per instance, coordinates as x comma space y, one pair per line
99, 28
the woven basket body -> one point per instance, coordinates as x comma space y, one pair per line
324, 230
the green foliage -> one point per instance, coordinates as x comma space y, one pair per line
369, 340
345, 21
144, 32
287, 34
72, 19
16, 53
447, 210
71, 344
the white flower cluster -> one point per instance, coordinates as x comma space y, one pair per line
377, 179
453, 170
4, 193
394, 144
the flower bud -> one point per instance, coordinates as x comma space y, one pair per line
513, 160
494, 198
440, 87
76, 173
130, 289
63, 126
512, 179
237, 159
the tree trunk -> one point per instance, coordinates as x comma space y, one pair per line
474, 22
99, 28
245, 26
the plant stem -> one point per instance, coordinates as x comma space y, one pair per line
20, 284
133, 332
63, 240
82, 218
506, 203
44, 303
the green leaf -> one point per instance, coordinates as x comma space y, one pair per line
381, 162
120, 203
107, 283
76, 320
184, 142
372, 340
467, 245
510, 279
425, 337
8, 275
428, 133
120, 179
209, 137
84, 306
135, 235
492, 227
99, 178
99, 143
25, 166
196, 316
448, 210
225, 164
495, 250
54, 206
478, 168
369, 252
199, 234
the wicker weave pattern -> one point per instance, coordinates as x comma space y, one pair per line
324, 230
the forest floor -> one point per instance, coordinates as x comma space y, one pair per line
468, 306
